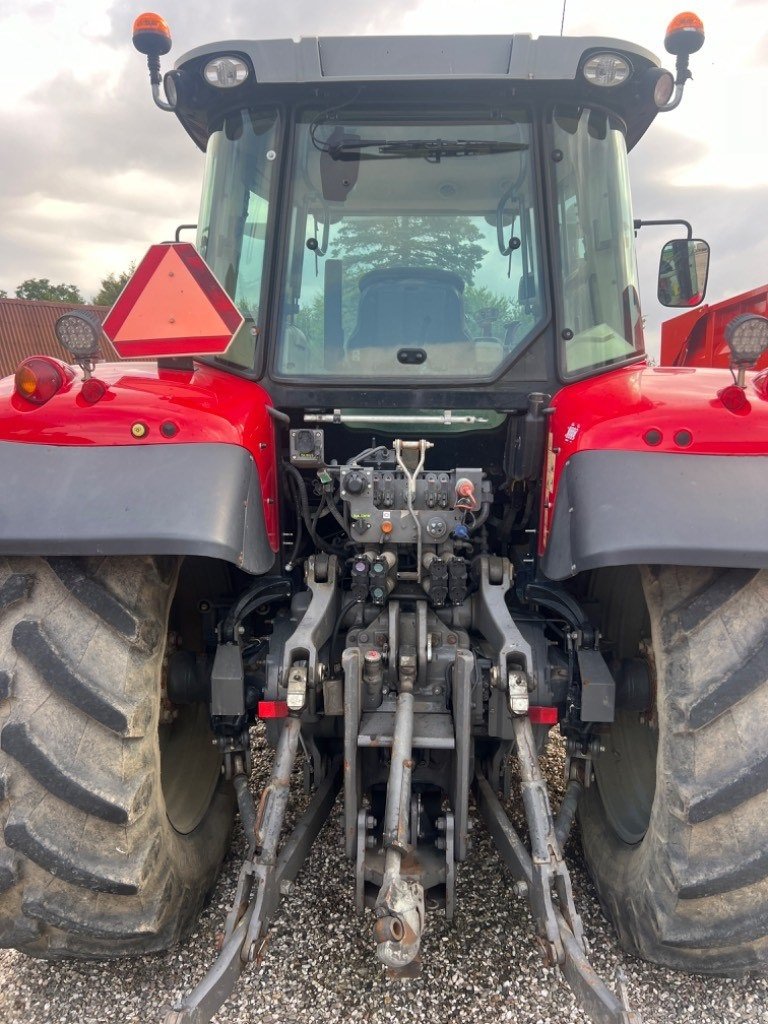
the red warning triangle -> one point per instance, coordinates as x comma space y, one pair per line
172, 306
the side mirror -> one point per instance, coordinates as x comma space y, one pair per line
683, 272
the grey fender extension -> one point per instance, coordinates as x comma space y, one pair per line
158, 499
658, 508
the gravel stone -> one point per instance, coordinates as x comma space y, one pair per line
318, 964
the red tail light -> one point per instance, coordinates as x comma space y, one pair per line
734, 399
39, 378
92, 390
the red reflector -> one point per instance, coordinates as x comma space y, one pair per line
273, 709
172, 306
38, 379
733, 398
92, 390
542, 716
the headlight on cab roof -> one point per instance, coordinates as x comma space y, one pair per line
226, 72
606, 69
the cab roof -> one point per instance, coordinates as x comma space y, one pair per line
409, 58
284, 66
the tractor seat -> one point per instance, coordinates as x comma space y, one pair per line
409, 307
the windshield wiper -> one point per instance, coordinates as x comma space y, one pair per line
432, 150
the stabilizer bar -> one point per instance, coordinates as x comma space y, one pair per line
262, 879
598, 1001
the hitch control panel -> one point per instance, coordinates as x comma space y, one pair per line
441, 503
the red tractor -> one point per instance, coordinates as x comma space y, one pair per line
403, 486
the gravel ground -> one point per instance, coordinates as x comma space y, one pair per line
318, 966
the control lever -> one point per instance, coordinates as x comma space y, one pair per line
404, 453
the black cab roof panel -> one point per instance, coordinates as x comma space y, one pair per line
408, 58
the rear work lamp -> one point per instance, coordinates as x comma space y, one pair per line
606, 69
747, 338
226, 72
79, 333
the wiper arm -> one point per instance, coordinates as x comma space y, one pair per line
432, 150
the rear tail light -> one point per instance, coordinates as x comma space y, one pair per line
92, 390
734, 399
39, 378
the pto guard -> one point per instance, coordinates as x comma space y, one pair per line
641, 471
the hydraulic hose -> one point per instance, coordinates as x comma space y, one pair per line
296, 547
304, 504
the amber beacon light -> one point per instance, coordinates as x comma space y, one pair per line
152, 37
685, 34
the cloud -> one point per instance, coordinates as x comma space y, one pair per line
192, 25
89, 171
724, 216
92, 172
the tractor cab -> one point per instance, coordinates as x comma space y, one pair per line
445, 212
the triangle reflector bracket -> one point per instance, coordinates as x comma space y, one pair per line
172, 306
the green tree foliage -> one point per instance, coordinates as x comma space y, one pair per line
41, 289
365, 244
3, 293
486, 312
409, 241
111, 286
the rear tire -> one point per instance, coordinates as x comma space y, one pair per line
683, 875
112, 828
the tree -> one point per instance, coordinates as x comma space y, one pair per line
486, 312
111, 286
3, 293
449, 243
365, 244
41, 289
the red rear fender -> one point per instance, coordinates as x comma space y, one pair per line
146, 406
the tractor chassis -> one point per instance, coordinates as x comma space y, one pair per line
542, 876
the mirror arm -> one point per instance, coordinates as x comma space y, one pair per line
649, 223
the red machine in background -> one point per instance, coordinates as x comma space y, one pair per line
697, 338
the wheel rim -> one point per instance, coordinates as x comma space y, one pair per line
626, 775
190, 766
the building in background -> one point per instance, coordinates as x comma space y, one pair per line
26, 329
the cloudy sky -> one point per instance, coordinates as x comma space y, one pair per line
91, 173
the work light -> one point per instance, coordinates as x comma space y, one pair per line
79, 333
225, 72
606, 69
747, 338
